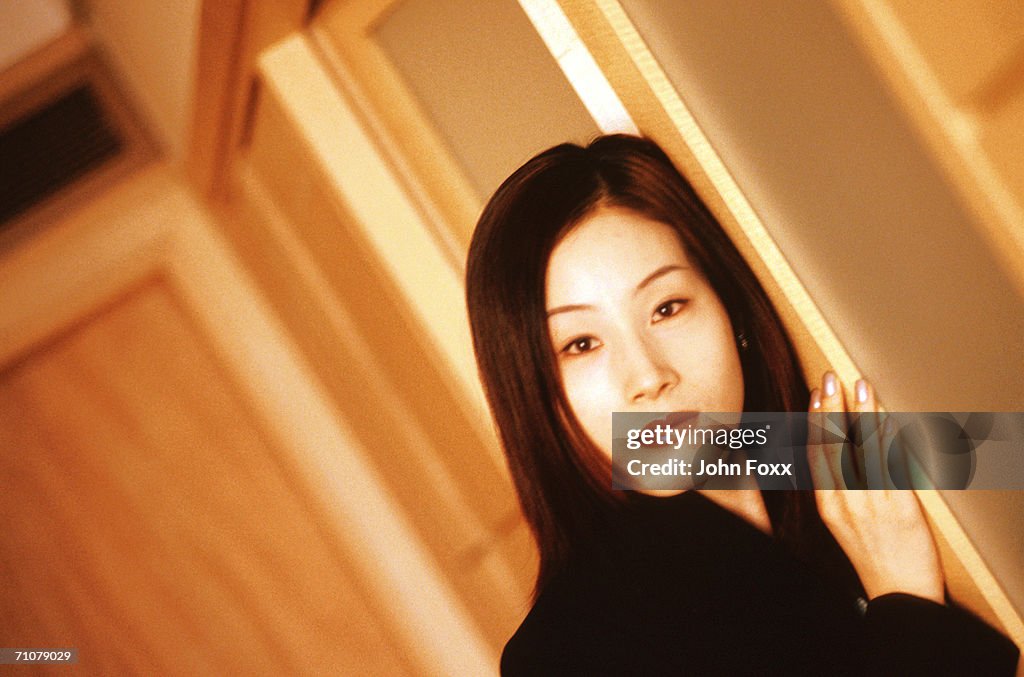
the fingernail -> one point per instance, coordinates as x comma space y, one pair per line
862, 391
830, 384
815, 399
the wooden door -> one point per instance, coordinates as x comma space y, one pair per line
179, 496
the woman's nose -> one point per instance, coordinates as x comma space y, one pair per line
650, 376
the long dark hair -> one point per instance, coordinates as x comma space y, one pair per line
563, 482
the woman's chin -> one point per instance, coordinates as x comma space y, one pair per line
661, 493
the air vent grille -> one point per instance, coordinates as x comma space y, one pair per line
48, 149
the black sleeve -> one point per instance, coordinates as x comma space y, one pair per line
909, 635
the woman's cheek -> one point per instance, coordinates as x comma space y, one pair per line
591, 396
726, 381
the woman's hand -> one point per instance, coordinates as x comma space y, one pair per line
882, 530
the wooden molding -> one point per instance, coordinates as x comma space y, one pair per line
365, 183
232, 33
343, 34
969, 579
69, 48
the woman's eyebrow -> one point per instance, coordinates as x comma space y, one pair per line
569, 308
664, 270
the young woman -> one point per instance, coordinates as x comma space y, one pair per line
598, 282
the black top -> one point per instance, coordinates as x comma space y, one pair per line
683, 586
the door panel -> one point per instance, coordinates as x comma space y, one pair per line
179, 495
132, 469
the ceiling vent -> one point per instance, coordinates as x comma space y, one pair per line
66, 132
51, 147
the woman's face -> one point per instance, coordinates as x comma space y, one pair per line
635, 326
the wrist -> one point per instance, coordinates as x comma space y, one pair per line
929, 592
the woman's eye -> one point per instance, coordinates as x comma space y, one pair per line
668, 309
583, 344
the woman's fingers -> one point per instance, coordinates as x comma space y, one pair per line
817, 460
898, 468
824, 436
827, 437
882, 532
869, 436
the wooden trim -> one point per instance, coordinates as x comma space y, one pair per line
218, 81
65, 50
969, 579
104, 249
232, 33
578, 66
343, 35
660, 113
365, 183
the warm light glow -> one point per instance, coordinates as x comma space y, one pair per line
579, 66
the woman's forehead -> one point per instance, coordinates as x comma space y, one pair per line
610, 251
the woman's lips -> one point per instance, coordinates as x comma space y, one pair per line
677, 419
681, 418
664, 428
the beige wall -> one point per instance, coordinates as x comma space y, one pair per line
151, 46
